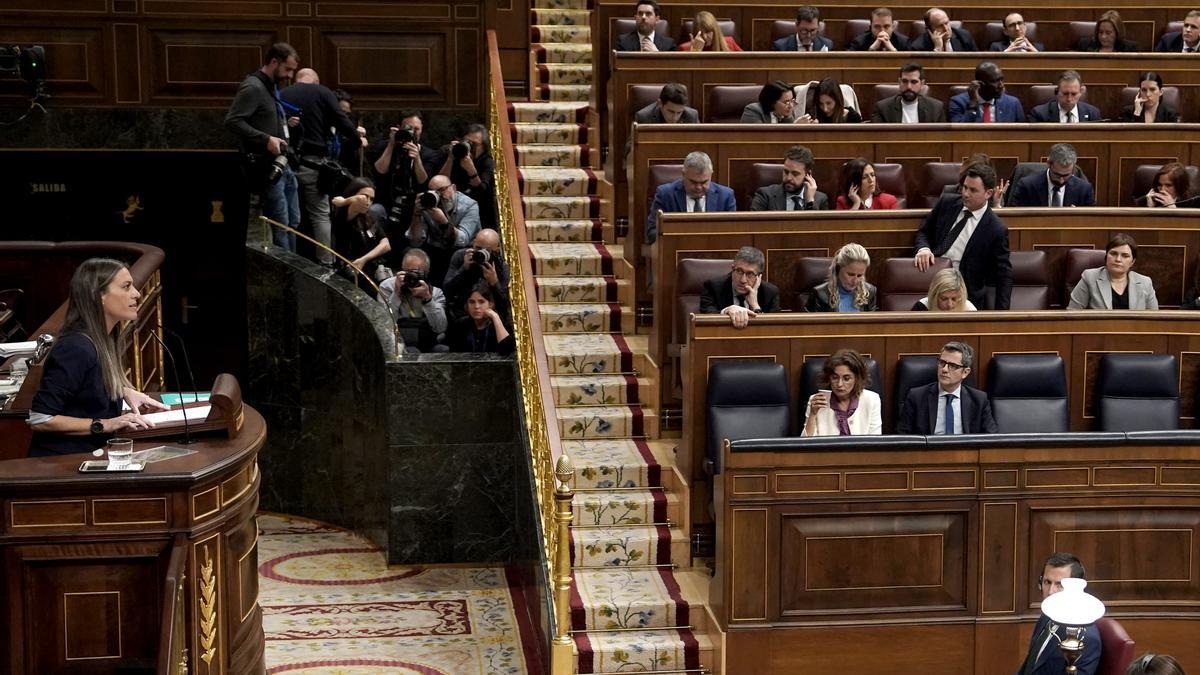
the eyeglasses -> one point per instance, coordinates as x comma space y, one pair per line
442, 190
745, 274
1015, 24
943, 363
789, 103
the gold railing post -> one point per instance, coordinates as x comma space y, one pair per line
561, 661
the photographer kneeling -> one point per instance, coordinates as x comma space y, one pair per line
419, 308
469, 266
469, 165
446, 225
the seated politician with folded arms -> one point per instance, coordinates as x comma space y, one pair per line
1116, 285
742, 294
948, 406
846, 407
78, 405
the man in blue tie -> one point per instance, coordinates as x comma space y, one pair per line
694, 192
948, 406
1044, 657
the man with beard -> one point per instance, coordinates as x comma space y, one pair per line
643, 38
443, 229
910, 106
798, 191
257, 118
881, 36
985, 100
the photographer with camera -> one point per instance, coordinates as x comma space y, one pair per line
470, 266
256, 116
396, 167
349, 151
419, 308
321, 118
470, 166
449, 221
358, 233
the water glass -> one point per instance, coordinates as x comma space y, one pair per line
120, 453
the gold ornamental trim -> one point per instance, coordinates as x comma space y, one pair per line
208, 609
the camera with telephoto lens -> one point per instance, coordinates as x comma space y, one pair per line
480, 256
280, 162
413, 278
428, 200
462, 149
406, 134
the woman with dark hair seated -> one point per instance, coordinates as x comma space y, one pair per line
829, 106
776, 104
1109, 36
860, 189
1170, 188
1154, 664
1116, 285
1148, 105
845, 407
482, 329
846, 289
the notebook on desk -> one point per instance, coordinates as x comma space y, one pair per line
221, 412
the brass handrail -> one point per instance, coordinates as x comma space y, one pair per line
554, 495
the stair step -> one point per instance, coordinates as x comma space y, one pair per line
627, 546
565, 92
627, 507
616, 462
586, 259
565, 74
622, 599
605, 421
560, 17
584, 318
563, 52
584, 289
552, 133
589, 353
568, 34
574, 390
571, 208
643, 652
551, 155
545, 112
556, 181
590, 229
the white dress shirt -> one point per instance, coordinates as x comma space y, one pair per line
909, 110
1073, 112
694, 205
939, 427
955, 253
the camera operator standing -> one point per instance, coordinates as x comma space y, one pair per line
470, 166
412, 161
420, 308
257, 118
319, 112
449, 221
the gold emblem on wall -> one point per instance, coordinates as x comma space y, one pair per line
133, 204
208, 609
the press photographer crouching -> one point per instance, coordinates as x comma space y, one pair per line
470, 266
483, 329
449, 221
470, 166
419, 308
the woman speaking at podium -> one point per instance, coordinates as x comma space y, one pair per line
78, 405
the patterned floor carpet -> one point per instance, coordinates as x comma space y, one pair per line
331, 605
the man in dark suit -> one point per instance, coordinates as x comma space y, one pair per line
1066, 106
964, 229
985, 100
940, 36
1187, 41
670, 108
1014, 37
948, 406
695, 192
881, 37
1058, 186
805, 39
1044, 657
643, 38
742, 294
910, 105
798, 191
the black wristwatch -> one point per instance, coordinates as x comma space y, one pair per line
97, 426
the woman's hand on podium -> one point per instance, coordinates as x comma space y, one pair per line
137, 400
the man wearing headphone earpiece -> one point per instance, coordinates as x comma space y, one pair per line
1044, 657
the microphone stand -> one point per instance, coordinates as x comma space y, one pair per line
187, 431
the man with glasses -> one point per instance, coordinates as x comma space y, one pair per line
948, 406
742, 294
806, 38
798, 191
881, 36
1015, 39
1058, 186
1044, 656
446, 227
1186, 41
911, 105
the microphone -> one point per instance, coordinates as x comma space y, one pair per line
187, 362
187, 431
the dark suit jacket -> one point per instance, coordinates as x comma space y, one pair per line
1001, 45
753, 114
985, 261
960, 41
891, 110
921, 405
792, 42
865, 39
630, 42
652, 114
1007, 109
1171, 42
1162, 114
1088, 44
820, 301
718, 294
1034, 190
1048, 112
771, 198
672, 198
1051, 661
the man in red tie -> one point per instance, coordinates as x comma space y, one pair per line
985, 100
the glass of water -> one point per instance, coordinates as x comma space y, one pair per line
120, 453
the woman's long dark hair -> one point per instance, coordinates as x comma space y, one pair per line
85, 314
853, 176
833, 89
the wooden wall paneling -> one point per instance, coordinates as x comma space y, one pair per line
468, 59
76, 62
205, 64
411, 66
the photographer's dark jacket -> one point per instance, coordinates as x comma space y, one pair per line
460, 280
319, 112
254, 114
431, 159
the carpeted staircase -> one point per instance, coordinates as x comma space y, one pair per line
632, 608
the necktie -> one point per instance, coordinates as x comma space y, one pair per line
1035, 647
949, 414
697, 206
987, 112
797, 205
1058, 193
1188, 50
952, 235
1070, 116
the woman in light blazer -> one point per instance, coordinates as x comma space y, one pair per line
1115, 286
849, 408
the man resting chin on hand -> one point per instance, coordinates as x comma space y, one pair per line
742, 294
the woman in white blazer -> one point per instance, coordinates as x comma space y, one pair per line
1116, 285
849, 409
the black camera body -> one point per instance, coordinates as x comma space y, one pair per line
406, 134
428, 199
413, 279
479, 256
461, 149
274, 168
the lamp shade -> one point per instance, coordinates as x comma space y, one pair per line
1072, 606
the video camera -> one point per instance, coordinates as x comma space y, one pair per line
29, 63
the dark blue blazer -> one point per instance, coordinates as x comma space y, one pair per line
72, 385
1048, 112
672, 198
1170, 42
1001, 45
1007, 109
960, 41
1034, 190
792, 42
1051, 661
986, 260
921, 404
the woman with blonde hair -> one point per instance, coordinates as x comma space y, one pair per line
707, 36
846, 289
947, 293
845, 407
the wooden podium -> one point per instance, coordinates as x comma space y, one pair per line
134, 572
